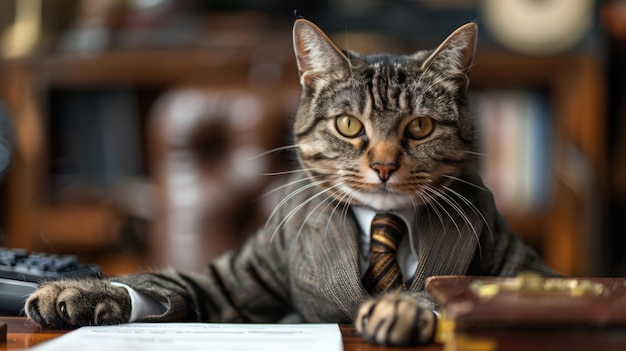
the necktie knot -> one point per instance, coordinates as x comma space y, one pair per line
387, 232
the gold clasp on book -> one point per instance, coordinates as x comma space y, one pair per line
531, 283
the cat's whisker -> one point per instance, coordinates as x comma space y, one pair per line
463, 181
344, 213
448, 199
415, 205
345, 201
295, 210
280, 187
294, 193
286, 172
330, 196
436, 195
429, 207
288, 184
274, 150
464, 216
346, 193
339, 201
474, 208
426, 200
346, 208
477, 153
334, 195
431, 202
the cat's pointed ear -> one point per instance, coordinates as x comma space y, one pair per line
457, 51
315, 53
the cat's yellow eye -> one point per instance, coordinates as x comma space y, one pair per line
420, 128
349, 126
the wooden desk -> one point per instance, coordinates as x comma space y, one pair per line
22, 334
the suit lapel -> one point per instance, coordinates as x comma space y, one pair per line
446, 240
335, 258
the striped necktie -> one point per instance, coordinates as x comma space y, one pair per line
383, 272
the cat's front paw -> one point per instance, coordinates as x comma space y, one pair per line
396, 319
73, 303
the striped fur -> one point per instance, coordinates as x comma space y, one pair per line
385, 92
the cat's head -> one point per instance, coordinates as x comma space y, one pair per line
385, 131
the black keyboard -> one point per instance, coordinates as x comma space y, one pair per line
21, 273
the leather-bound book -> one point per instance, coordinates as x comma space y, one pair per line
497, 313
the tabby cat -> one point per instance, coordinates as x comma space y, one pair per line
379, 133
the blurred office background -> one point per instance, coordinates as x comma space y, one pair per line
135, 126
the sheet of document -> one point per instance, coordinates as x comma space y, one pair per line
200, 336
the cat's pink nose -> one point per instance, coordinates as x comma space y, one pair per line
384, 170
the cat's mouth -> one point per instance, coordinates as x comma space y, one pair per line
384, 197
386, 190
385, 200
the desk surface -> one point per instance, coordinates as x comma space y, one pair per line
22, 334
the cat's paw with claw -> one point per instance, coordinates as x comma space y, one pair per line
396, 319
67, 304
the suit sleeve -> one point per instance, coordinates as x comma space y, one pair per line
512, 256
501, 251
248, 285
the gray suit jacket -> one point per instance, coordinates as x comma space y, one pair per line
306, 260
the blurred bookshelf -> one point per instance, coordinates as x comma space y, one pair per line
515, 138
70, 116
556, 107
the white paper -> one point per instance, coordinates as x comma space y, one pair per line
200, 336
